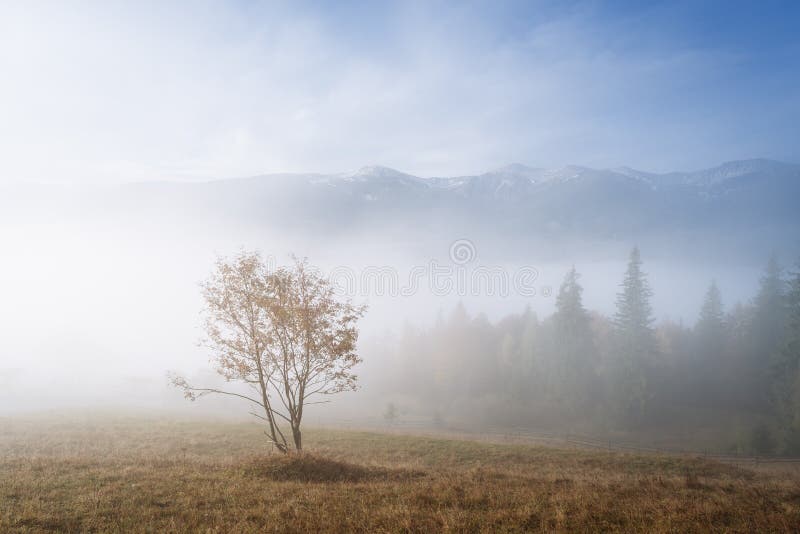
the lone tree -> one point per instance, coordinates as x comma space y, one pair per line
281, 332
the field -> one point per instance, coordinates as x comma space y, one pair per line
110, 474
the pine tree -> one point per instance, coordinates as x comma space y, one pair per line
737, 371
711, 324
786, 369
635, 339
709, 366
766, 332
770, 313
573, 342
710, 330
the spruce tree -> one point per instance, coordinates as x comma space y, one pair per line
711, 324
573, 342
710, 330
737, 351
770, 306
710, 365
766, 333
786, 369
635, 340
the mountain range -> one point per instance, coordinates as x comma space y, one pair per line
749, 205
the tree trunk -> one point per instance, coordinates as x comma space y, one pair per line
298, 438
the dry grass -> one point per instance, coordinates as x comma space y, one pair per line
133, 475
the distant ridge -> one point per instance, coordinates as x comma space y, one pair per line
520, 172
746, 205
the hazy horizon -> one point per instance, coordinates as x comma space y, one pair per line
378, 166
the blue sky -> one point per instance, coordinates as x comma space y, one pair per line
121, 91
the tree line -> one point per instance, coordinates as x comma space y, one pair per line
739, 367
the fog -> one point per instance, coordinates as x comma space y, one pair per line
96, 309
406, 265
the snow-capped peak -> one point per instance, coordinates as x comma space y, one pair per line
733, 169
383, 175
377, 171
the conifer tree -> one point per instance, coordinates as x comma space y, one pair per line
787, 371
573, 341
710, 365
767, 332
711, 324
635, 341
710, 331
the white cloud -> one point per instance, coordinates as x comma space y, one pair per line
138, 91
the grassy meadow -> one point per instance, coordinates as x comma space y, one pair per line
115, 474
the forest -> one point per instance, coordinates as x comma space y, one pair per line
735, 369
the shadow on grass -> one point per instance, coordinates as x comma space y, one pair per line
311, 468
